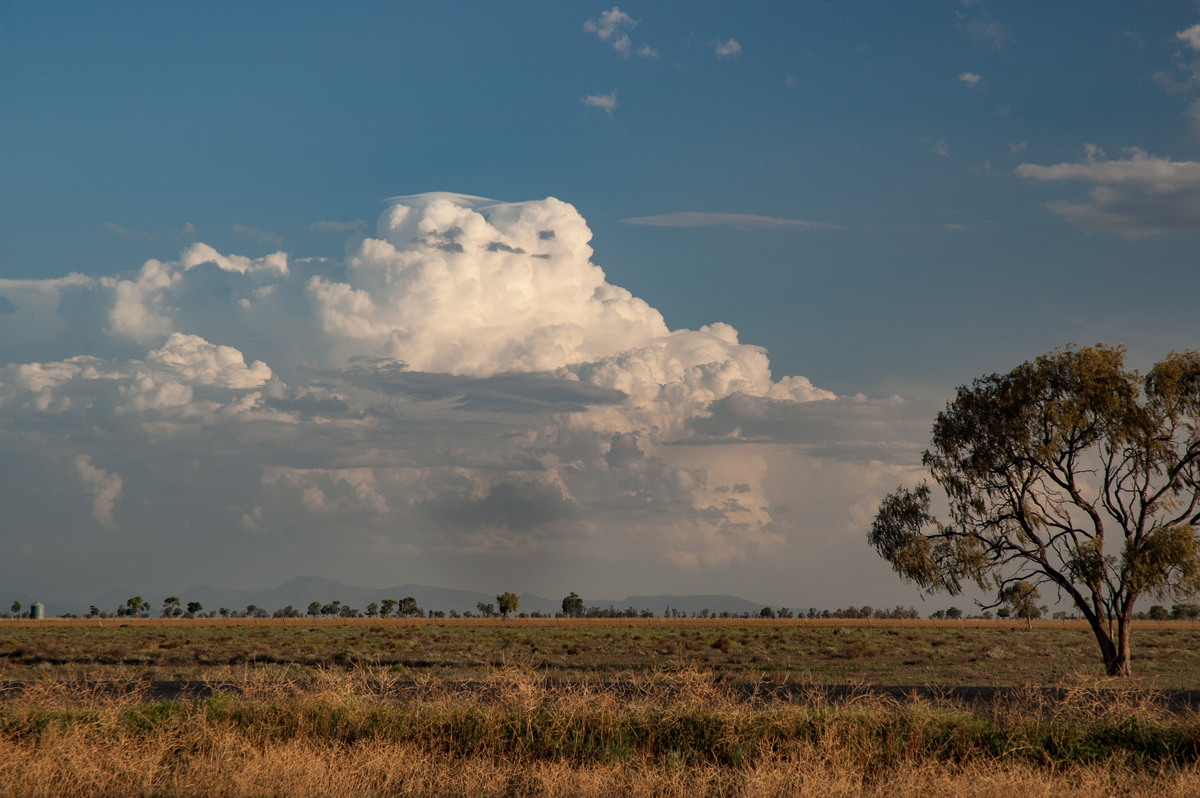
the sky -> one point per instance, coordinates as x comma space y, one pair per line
553, 296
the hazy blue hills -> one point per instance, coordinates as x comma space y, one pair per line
302, 590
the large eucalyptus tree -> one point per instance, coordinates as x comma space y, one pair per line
1069, 471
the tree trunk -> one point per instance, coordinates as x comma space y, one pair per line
1115, 653
1118, 665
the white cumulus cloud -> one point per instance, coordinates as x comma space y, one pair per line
465, 382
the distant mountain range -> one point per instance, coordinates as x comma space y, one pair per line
302, 590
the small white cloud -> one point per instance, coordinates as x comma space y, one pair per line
938, 147
605, 102
727, 49
608, 27
1136, 196
985, 30
1018, 146
258, 235
739, 220
1191, 36
193, 359
971, 78
104, 488
646, 51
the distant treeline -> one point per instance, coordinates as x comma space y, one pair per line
172, 607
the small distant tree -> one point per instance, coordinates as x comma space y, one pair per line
572, 605
1021, 598
372, 609
486, 610
171, 608
194, 608
387, 607
507, 603
409, 608
766, 612
314, 609
347, 612
223, 612
954, 613
1158, 613
16, 608
251, 610
93, 611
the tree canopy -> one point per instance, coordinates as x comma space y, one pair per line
507, 603
1069, 471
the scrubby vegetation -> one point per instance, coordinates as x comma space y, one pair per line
585, 707
512, 733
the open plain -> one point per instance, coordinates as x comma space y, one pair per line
527, 707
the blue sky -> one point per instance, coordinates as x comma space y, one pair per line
889, 198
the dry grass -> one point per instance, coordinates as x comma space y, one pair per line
1166, 654
514, 734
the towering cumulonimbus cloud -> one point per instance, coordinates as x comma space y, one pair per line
465, 381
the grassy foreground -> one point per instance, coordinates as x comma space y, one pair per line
519, 708
680, 734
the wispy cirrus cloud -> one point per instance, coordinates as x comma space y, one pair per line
254, 234
744, 221
188, 231
325, 226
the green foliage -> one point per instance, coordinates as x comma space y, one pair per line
1021, 599
572, 605
1068, 471
507, 603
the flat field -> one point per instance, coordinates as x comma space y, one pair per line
1166, 654
526, 708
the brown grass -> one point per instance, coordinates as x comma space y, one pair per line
516, 735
